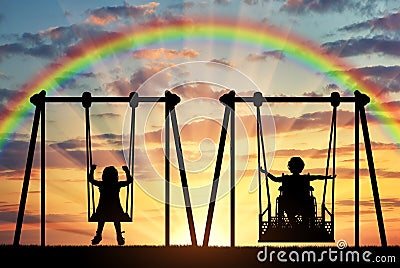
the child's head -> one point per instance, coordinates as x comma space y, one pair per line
110, 174
296, 165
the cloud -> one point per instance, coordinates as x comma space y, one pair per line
106, 15
52, 42
395, 105
4, 76
222, 61
5, 94
144, 73
8, 49
61, 154
222, 2
386, 202
318, 6
275, 54
387, 77
15, 154
325, 6
124, 86
198, 90
252, 2
121, 87
363, 46
390, 22
186, 5
343, 150
312, 94
106, 115
165, 54
315, 120
67, 13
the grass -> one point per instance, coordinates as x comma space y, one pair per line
187, 256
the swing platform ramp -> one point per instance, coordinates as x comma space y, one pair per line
280, 230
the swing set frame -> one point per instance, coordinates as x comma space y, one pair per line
171, 100
360, 100
40, 99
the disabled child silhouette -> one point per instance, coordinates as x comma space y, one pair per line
109, 208
296, 193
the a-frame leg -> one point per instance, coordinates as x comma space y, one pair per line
363, 100
228, 100
171, 101
38, 101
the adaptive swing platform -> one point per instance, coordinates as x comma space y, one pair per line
280, 230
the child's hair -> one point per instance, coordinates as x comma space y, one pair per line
110, 174
296, 164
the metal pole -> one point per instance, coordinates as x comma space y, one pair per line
172, 101
374, 184
43, 174
357, 176
228, 100
36, 100
167, 174
232, 156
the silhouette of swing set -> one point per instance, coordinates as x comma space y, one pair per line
276, 227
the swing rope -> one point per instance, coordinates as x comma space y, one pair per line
258, 99
332, 147
261, 140
86, 102
133, 103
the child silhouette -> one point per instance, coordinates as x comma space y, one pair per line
109, 207
295, 196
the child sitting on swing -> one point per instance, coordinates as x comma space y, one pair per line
295, 199
109, 207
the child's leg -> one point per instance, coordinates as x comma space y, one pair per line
120, 238
100, 227
117, 226
97, 238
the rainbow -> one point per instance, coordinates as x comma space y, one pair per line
266, 37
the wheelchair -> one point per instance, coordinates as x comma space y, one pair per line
294, 211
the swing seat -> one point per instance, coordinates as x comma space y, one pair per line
122, 218
280, 229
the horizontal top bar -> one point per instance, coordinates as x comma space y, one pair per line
162, 99
103, 99
295, 99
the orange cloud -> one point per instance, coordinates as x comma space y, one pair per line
198, 90
100, 21
162, 53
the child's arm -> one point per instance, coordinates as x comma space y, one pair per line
91, 176
272, 177
129, 178
320, 177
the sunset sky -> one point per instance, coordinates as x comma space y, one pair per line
277, 47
